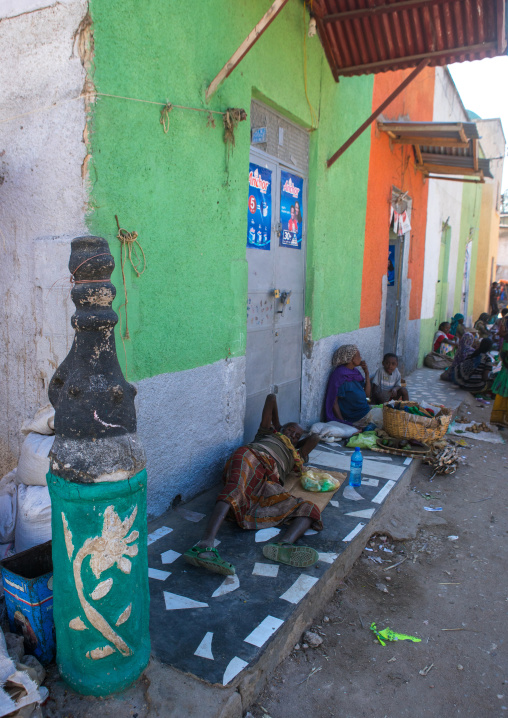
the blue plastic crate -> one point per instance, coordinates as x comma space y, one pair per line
27, 579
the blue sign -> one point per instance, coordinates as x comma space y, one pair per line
391, 265
291, 209
259, 215
258, 136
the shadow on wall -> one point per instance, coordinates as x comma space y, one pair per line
189, 423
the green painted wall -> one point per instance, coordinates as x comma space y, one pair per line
427, 331
185, 194
469, 227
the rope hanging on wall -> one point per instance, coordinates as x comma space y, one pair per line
129, 253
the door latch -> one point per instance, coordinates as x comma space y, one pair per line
277, 228
284, 296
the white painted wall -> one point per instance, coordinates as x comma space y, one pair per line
445, 201
42, 200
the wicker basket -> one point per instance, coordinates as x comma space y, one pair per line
400, 424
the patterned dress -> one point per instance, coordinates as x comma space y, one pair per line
254, 484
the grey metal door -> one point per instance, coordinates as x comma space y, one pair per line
275, 313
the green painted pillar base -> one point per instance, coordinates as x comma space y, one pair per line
100, 583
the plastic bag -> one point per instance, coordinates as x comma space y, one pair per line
318, 481
42, 423
33, 524
367, 440
8, 503
333, 429
34, 459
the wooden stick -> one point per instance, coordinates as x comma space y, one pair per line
377, 112
246, 45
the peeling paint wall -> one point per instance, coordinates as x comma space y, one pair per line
42, 200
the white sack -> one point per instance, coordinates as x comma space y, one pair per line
33, 462
8, 504
333, 429
33, 524
42, 423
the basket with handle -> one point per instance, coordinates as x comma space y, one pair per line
400, 424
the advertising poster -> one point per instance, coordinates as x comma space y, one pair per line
259, 215
391, 265
291, 210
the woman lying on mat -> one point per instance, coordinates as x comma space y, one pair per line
253, 495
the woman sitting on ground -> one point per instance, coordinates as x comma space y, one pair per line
464, 350
473, 373
444, 342
347, 391
499, 413
481, 326
253, 495
457, 326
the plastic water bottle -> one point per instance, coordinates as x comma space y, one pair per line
355, 472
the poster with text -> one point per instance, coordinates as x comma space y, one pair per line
259, 215
391, 265
291, 210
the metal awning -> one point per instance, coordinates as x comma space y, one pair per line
442, 148
364, 36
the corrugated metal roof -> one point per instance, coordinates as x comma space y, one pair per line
441, 147
366, 36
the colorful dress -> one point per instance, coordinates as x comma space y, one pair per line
438, 345
254, 484
499, 413
469, 373
348, 387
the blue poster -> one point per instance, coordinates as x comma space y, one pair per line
391, 265
291, 210
259, 216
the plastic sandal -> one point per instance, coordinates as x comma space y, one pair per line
209, 558
299, 556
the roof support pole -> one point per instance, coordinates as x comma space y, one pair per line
378, 111
246, 45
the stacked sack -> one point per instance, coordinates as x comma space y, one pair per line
25, 506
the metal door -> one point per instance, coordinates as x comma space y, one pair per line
395, 257
275, 310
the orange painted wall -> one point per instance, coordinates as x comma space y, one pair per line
395, 167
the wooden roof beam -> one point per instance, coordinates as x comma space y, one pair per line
475, 154
246, 45
444, 55
428, 142
422, 65
481, 180
380, 9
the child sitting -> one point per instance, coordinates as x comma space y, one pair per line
444, 342
386, 382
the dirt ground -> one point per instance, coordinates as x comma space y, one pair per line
453, 594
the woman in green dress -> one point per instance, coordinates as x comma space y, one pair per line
499, 413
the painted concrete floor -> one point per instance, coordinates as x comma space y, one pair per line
213, 627
424, 384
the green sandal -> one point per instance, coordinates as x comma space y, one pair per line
209, 558
299, 556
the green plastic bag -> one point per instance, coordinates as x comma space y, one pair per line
367, 440
318, 481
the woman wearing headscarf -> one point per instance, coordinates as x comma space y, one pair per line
348, 389
464, 350
472, 374
481, 326
499, 413
457, 325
